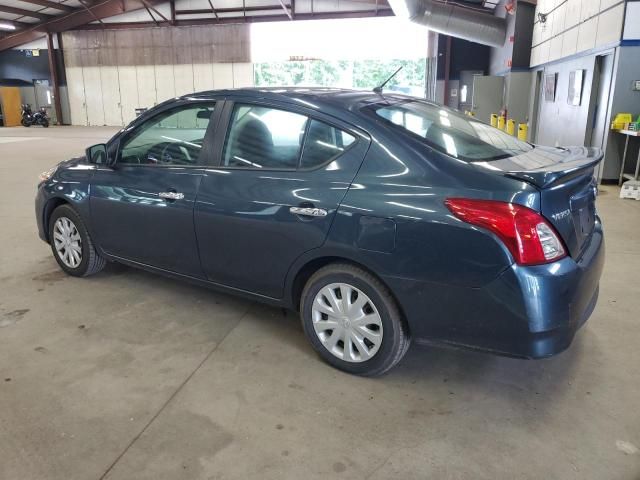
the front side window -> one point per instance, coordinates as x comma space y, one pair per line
173, 137
452, 133
263, 137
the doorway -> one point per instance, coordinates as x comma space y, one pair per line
535, 108
599, 106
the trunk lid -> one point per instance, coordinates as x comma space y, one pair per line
568, 189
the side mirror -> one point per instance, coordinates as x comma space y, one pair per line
97, 154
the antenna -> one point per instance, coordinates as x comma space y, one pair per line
379, 88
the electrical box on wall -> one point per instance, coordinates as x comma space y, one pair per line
636, 86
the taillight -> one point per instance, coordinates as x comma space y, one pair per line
527, 235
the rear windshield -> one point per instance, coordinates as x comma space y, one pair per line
450, 132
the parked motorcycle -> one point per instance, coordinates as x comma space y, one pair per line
30, 118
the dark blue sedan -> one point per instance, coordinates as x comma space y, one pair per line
381, 218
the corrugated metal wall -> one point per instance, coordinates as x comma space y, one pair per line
111, 73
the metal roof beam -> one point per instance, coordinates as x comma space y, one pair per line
68, 21
382, 12
201, 11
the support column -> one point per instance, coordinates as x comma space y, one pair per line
53, 74
447, 71
431, 67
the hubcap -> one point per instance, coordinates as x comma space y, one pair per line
67, 242
347, 322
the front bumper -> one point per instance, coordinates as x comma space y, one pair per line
41, 201
530, 312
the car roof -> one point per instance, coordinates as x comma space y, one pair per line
315, 97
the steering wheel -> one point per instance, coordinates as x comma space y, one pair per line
167, 152
175, 153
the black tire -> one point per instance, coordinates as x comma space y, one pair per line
25, 123
395, 338
45, 123
91, 262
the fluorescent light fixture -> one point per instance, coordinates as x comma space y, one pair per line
7, 26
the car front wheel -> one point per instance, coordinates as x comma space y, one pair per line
71, 244
353, 321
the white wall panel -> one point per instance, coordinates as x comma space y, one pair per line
559, 19
93, 96
589, 9
610, 26
222, 75
202, 76
242, 75
165, 82
543, 53
111, 95
582, 25
555, 48
587, 35
75, 88
545, 29
183, 78
570, 42
574, 10
128, 92
632, 25
604, 4
146, 83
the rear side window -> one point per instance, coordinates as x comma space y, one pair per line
450, 132
262, 137
323, 143
269, 138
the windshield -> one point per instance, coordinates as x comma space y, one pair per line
450, 132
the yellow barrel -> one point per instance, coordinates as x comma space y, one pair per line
501, 122
494, 120
511, 126
523, 131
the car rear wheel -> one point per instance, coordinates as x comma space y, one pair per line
71, 244
353, 321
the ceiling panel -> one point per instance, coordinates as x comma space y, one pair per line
23, 5
51, 11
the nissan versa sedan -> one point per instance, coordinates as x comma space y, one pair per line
381, 218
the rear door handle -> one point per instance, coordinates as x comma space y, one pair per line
171, 195
308, 211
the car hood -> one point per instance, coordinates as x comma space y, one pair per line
74, 162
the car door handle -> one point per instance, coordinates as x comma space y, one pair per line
308, 211
171, 195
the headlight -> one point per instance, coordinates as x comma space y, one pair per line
44, 176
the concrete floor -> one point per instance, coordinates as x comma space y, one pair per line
127, 375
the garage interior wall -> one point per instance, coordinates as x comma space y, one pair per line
576, 35
623, 99
16, 65
111, 73
562, 123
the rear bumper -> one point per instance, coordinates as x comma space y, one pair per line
530, 312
